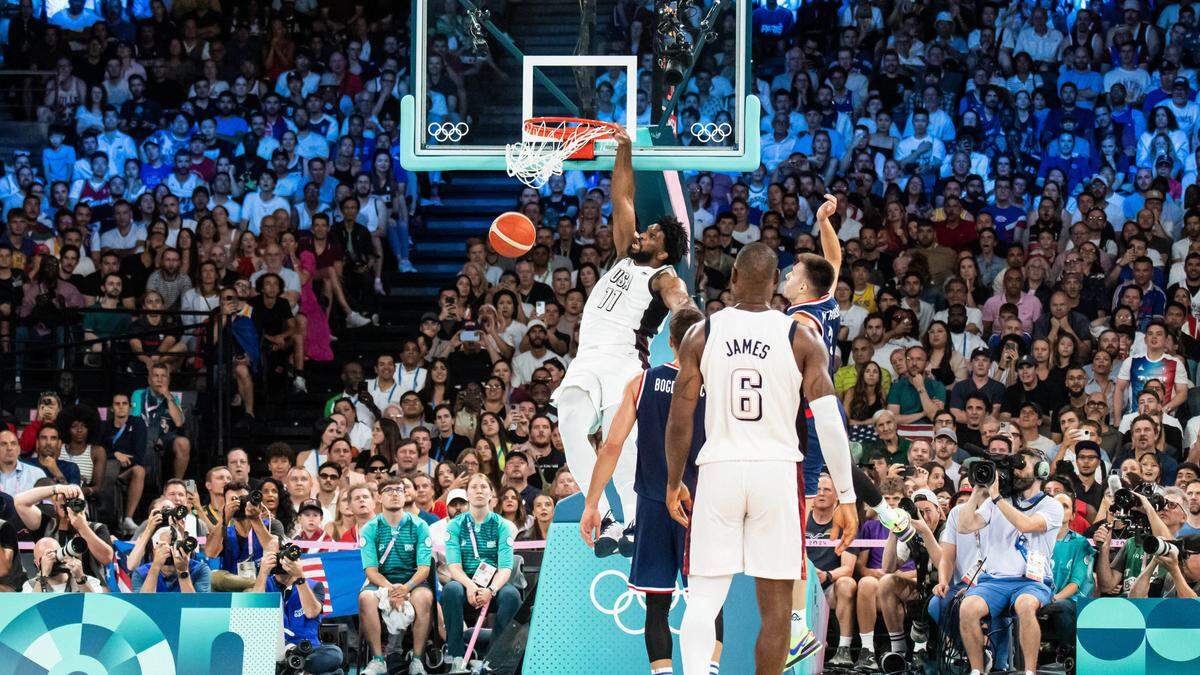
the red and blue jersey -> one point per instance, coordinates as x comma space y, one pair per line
653, 407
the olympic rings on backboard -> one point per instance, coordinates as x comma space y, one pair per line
711, 131
448, 132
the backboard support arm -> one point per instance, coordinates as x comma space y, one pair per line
511, 47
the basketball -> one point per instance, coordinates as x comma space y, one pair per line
512, 234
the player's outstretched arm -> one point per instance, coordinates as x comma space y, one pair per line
831, 246
679, 423
818, 389
624, 216
606, 460
673, 291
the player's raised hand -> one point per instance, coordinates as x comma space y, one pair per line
621, 136
679, 503
589, 525
828, 208
844, 526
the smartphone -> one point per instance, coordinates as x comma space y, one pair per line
539, 307
907, 472
469, 336
190, 485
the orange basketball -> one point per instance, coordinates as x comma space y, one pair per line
512, 234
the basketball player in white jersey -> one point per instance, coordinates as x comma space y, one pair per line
621, 317
756, 363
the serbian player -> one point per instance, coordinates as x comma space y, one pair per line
621, 317
660, 541
809, 290
747, 516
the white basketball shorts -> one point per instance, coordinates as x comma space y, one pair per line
746, 518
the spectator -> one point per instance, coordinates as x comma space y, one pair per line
302, 600
172, 569
396, 556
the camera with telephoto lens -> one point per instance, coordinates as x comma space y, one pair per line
186, 544
1127, 515
170, 513
253, 497
1157, 546
77, 504
74, 548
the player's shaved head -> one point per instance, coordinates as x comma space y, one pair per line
755, 274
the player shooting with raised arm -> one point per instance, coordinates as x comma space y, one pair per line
809, 291
660, 542
621, 317
747, 516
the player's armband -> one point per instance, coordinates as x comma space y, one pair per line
835, 445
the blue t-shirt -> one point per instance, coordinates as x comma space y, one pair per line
1008, 219
299, 627
59, 164
239, 549
199, 572
772, 23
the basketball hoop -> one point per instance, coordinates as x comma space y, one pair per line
554, 140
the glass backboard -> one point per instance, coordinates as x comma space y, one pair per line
477, 76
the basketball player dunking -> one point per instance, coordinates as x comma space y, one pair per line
660, 542
809, 289
621, 317
747, 517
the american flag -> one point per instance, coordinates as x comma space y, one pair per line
118, 579
915, 431
314, 571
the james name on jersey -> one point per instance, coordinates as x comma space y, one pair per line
748, 346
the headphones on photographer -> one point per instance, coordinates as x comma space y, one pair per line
1041, 468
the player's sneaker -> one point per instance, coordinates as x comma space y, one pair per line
609, 540
897, 521
801, 646
625, 544
377, 666
866, 662
842, 658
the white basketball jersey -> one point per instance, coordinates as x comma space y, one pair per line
622, 313
753, 387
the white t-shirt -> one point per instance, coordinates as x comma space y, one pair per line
1006, 549
524, 363
114, 239
966, 552
92, 583
254, 208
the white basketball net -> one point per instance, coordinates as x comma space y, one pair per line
535, 161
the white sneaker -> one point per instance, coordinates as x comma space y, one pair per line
379, 285
415, 667
356, 320
609, 540
375, 667
406, 267
457, 665
300, 385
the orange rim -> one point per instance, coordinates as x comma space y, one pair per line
554, 127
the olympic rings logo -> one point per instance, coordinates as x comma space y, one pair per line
625, 599
448, 131
711, 131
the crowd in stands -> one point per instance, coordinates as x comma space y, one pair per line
1017, 212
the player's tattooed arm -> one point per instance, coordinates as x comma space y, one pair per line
684, 399
624, 217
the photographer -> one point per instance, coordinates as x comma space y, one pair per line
238, 539
1017, 528
302, 602
59, 570
898, 586
1115, 575
163, 513
59, 512
1179, 562
173, 568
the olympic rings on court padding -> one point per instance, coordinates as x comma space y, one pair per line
448, 132
624, 601
711, 131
